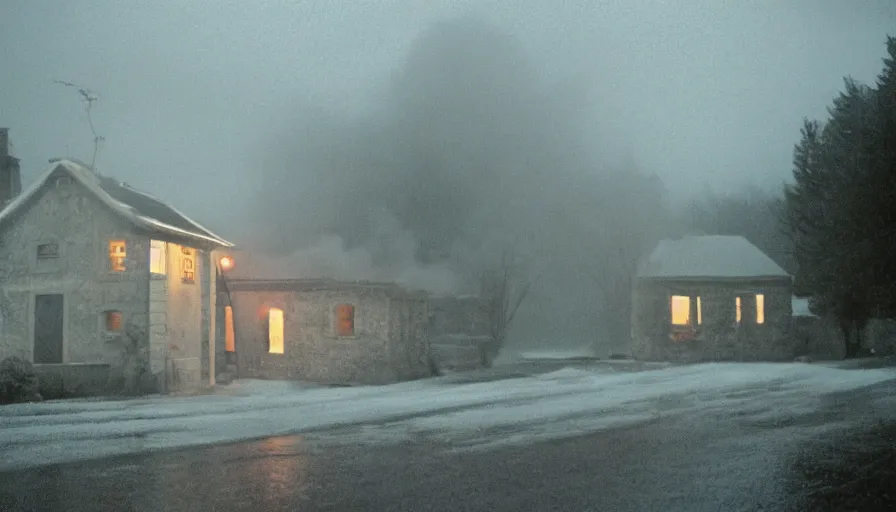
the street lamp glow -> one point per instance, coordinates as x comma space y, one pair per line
226, 263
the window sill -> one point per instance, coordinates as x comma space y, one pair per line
188, 281
111, 336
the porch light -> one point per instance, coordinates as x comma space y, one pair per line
226, 262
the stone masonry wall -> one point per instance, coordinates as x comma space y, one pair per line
312, 351
66, 214
410, 349
719, 337
184, 320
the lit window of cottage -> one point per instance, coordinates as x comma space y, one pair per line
158, 257
275, 331
229, 338
760, 308
114, 321
188, 265
117, 255
681, 310
737, 310
345, 320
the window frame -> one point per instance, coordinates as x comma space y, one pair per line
337, 319
270, 329
188, 255
53, 256
161, 248
229, 333
107, 315
112, 255
759, 307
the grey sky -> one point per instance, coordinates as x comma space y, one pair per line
698, 91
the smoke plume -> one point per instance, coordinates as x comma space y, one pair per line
470, 151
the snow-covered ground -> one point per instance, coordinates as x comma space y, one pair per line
570, 401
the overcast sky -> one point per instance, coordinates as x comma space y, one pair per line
698, 91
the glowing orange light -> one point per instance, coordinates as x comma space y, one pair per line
226, 263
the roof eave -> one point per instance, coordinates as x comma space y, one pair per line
724, 279
155, 225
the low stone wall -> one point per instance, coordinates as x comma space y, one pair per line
818, 338
72, 380
460, 352
185, 374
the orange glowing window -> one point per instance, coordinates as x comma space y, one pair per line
188, 265
229, 338
737, 310
114, 320
681, 310
345, 320
275, 331
117, 255
699, 311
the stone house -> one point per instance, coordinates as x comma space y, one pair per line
105, 288
711, 298
275, 325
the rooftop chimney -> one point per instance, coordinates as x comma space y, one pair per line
10, 177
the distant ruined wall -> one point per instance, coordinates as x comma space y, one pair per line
459, 330
719, 337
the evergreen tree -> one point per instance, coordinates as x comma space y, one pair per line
841, 210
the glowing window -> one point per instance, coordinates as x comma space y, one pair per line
345, 320
737, 309
188, 265
681, 310
699, 312
114, 321
158, 257
229, 338
117, 255
275, 331
760, 308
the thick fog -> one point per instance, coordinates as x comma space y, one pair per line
472, 153
414, 142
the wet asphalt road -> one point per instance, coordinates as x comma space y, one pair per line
673, 464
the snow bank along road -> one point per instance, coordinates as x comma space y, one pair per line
568, 402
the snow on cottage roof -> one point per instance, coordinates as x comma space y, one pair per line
140, 208
707, 257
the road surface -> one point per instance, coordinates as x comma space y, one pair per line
676, 463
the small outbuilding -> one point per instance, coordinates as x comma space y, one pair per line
276, 324
711, 298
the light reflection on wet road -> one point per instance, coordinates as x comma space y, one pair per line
716, 462
654, 466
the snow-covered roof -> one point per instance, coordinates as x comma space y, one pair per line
708, 257
139, 208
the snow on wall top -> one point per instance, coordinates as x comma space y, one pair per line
801, 307
707, 257
140, 208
